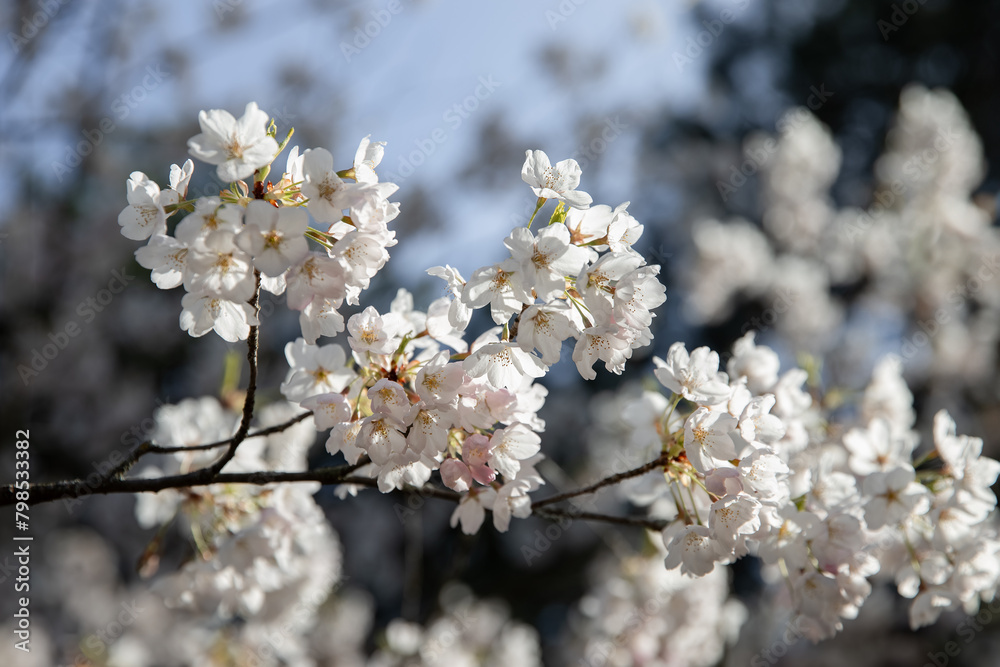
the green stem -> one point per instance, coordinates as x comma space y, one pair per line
284, 143
538, 205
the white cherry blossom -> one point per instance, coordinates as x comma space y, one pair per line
503, 364
317, 275
693, 549
328, 410
320, 318
315, 370
274, 237
366, 158
167, 257
328, 194
238, 146
217, 266
611, 344
512, 500
202, 312
554, 182
895, 497
708, 439
544, 329
696, 376
371, 332
501, 286
471, 510
546, 261
511, 445
209, 215
878, 448
145, 215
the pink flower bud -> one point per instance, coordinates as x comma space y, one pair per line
456, 475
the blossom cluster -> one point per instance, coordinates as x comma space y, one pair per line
265, 554
749, 460
253, 237
637, 612
920, 258
410, 396
466, 632
757, 468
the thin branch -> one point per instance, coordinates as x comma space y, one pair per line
425, 491
40, 493
552, 514
248, 402
143, 448
156, 449
607, 481
113, 483
555, 513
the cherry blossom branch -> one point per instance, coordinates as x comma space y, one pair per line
46, 492
78, 487
278, 428
248, 402
425, 491
607, 481
112, 483
555, 514
40, 493
149, 448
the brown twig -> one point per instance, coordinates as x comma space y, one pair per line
248, 402
607, 481
555, 513
113, 482
278, 428
40, 493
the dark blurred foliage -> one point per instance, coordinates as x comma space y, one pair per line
860, 55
